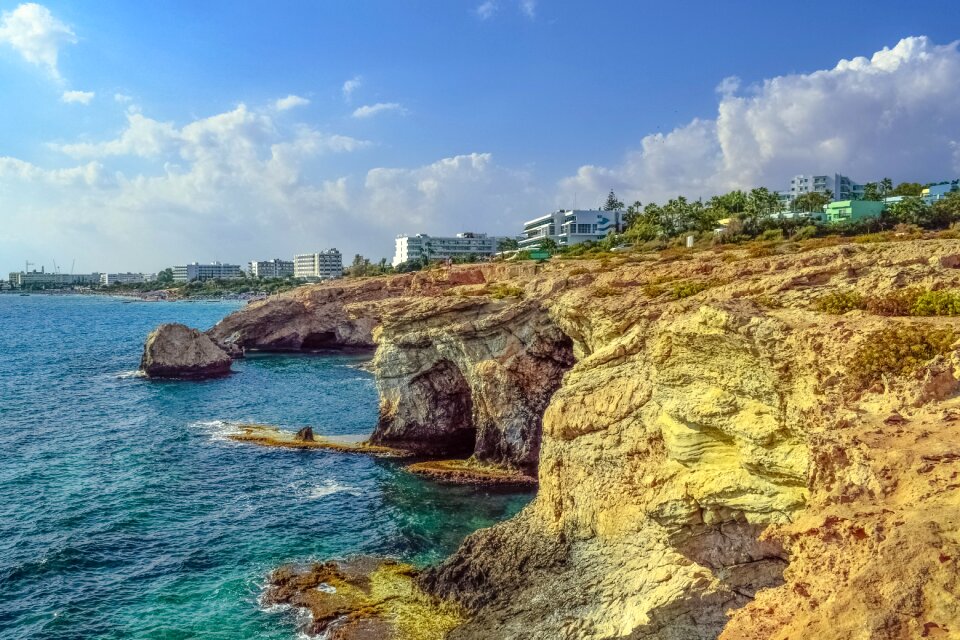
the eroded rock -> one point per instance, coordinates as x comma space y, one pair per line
177, 351
362, 598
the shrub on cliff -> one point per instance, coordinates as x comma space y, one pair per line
500, 290
839, 302
682, 290
898, 351
936, 303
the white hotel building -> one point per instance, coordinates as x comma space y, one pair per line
318, 266
108, 279
275, 268
842, 187
569, 227
212, 271
441, 247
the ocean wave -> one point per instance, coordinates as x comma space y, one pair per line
329, 488
126, 375
218, 429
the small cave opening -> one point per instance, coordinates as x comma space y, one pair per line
320, 340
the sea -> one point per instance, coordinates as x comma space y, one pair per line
127, 512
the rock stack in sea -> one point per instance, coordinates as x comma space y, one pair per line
177, 351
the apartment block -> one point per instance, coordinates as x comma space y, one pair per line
421, 245
323, 265
212, 271
275, 268
568, 227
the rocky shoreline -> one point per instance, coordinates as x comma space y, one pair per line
719, 454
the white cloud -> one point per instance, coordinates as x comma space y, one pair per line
234, 185
894, 114
351, 85
35, 34
290, 102
80, 97
486, 10
122, 98
370, 110
529, 8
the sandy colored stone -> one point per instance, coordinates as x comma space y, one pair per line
269, 436
705, 467
177, 351
471, 472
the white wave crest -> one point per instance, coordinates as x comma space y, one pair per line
218, 429
328, 488
126, 375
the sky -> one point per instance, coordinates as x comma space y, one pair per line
135, 135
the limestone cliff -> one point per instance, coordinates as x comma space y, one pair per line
468, 375
707, 471
716, 457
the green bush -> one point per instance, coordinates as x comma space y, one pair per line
500, 290
683, 290
898, 351
805, 233
771, 235
839, 302
936, 303
653, 290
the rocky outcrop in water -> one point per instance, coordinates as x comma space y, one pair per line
362, 598
177, 351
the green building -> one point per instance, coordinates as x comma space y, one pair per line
852, 210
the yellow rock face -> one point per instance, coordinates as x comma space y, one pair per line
706, 467
706, 472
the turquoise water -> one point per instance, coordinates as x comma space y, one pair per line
126, 513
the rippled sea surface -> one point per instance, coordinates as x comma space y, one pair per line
126, 513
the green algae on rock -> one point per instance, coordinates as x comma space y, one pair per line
363, 598
471, 472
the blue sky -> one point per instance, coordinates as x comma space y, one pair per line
138, 135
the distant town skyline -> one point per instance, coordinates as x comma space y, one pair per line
139, 136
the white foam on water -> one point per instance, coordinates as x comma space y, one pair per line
323, 587
329, 488
218, 429
127, 375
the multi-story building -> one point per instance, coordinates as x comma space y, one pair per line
569, 227
852, 210
318, 266
464, 244
42, 278
939, 191
275, 268
212, 271
108, 279
840, 186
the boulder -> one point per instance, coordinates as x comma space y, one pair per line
177, 351
304, 435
